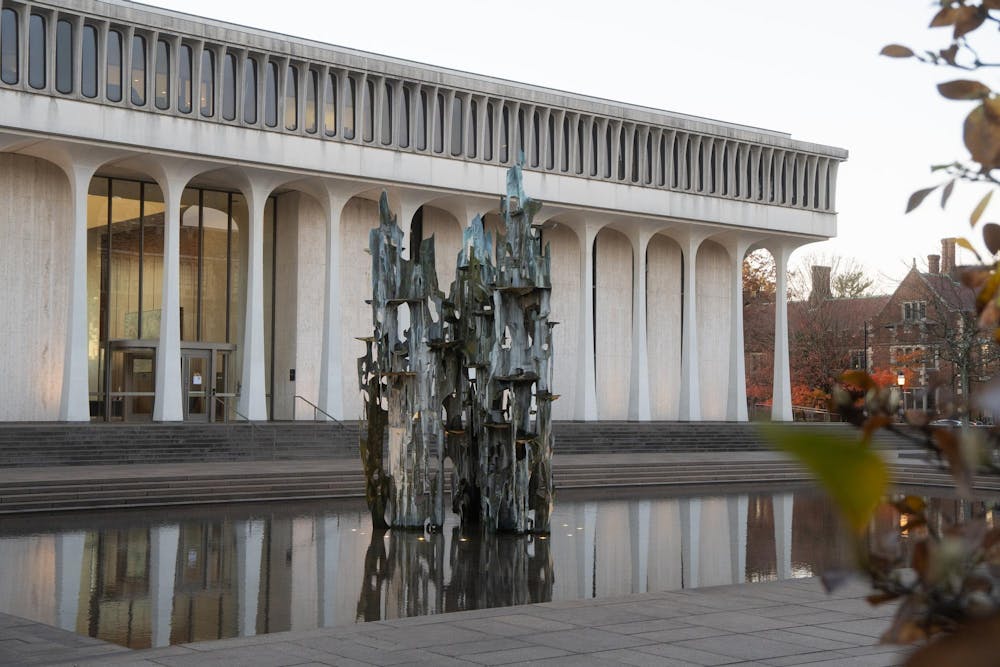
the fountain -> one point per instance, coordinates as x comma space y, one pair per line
467, 377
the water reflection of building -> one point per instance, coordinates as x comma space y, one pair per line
209, 578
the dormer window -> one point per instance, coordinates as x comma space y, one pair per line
914, 311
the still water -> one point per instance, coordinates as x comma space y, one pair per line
145, 579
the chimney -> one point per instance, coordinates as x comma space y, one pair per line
947, 255
934, 263
820, 284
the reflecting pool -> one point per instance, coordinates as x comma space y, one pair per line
144, 579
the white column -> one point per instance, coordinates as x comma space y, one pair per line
331, 387
781, 401
783, 503
690, 403
327, 564
738, 510
163, 541
75, 402
638, 403
736, 410
69, 566
249, 547
253, 388
586, 401
690, 542
168, 405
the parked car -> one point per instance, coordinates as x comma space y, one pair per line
946, 423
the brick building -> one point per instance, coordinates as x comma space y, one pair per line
928, 331
925, 330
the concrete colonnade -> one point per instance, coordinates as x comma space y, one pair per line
662, 340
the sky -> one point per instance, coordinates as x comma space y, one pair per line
805, 67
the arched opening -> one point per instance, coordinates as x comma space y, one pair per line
446, 230
564, 245
612, 322
664, 264
713, 291
125, 263
356, 220
758, 331
295, 241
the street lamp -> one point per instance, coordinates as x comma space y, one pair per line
901, 379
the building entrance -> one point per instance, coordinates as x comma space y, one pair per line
196, 374
205, 381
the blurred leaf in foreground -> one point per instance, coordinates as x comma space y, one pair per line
852, 473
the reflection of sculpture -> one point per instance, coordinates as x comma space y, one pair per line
405, 573
498, 571
467, 377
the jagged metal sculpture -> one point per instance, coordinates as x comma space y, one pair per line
468, 377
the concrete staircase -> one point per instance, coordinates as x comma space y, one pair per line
214, 484
59, 467
121, 444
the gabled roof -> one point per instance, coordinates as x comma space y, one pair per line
850, 313
952, 294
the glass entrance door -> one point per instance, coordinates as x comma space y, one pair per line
197, 379
136, 402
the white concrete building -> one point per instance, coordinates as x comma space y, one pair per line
185, 205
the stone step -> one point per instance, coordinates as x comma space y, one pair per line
23, 445
55, 495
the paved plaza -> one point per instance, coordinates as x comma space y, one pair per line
780, 623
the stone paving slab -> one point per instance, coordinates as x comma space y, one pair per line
771, 624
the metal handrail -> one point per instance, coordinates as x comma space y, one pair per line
253, 425
316, 409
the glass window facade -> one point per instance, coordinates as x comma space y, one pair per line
311, 110
88, 58
349, 96
250, 91
457, 120
474, 129
368, 111
421, 121
184, 79
113, 72
229, 87
138, 77
330, 106
162, 81
505, 135
64, 56
291, 98
125, 243
387, 114
488, 139
536, 134
9, 68
404, 119
36, 51
271, 95
439, 123
207, 88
